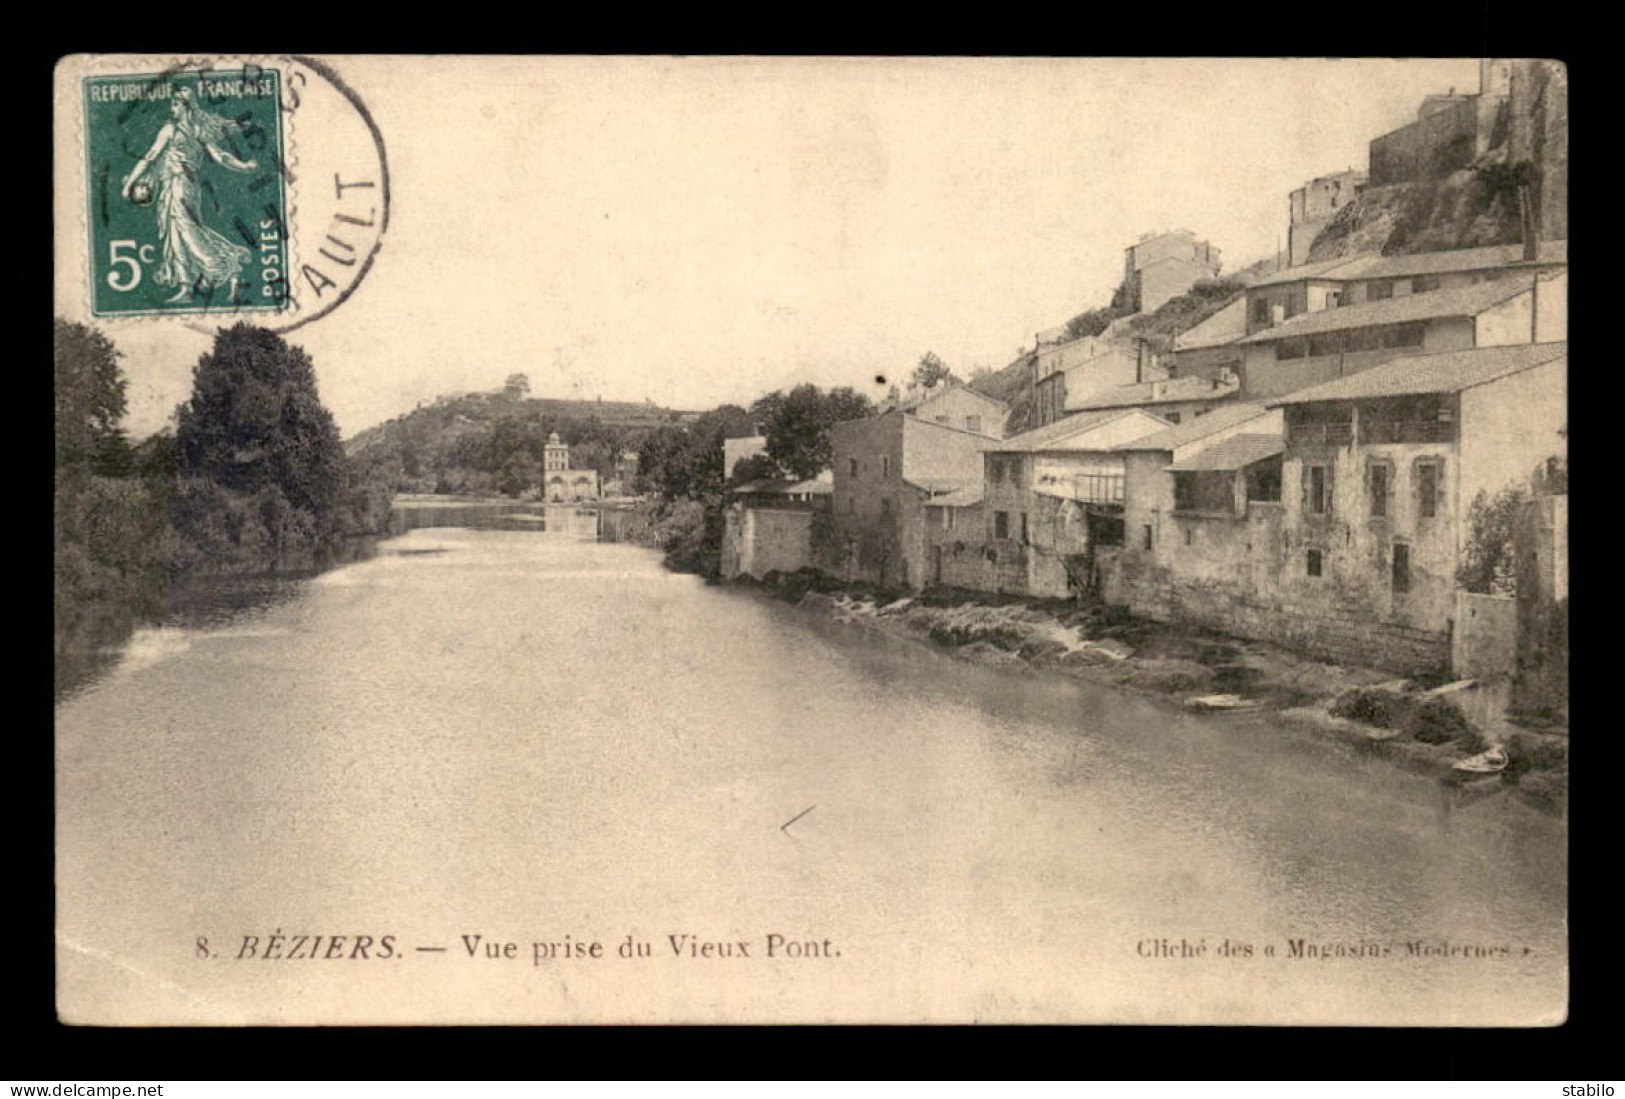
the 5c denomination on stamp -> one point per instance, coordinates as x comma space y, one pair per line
188, 192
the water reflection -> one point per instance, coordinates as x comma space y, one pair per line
489, 731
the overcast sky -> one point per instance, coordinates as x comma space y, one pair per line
705, 230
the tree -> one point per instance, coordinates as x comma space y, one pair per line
90, 401
517, 387
931, 371
758, 467
798, 433
254, 421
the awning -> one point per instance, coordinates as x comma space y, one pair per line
1236, 452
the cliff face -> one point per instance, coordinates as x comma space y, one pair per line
1477, 205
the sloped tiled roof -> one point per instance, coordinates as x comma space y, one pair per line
1349, 267
1172, 390
1447, 372
1236, 452
820, 485
968, 496
1461, 301
1464, 259
1059, 432
1196, 428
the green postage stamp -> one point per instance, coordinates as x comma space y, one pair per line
188, 192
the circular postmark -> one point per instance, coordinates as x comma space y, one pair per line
227, 186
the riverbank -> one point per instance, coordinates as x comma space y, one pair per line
1428, 727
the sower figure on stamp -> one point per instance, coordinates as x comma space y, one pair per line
195, 257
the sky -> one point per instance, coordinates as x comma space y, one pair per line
699, 231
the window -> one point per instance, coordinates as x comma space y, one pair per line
1379, 291
1190, 537
1423, 283
1313, 564
1328, 344
940, 419
1363, 339
1402, 567
1403, 335
1291, 349
1001, 524
1380, 477
1015, 471
973, 423
1148, 536
1261, 311
1172, 417
947, 518
1024, 527
995, 470
1428, 478
885, 506
852, 467
885, 466
1319, 490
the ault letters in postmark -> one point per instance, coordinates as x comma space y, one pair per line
188, 192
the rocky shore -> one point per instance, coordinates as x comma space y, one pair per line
1430, 727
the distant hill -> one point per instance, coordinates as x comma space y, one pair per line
492, 442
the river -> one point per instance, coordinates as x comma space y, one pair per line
531, 738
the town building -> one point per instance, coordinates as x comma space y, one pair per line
1188, 515
956, 404
1337, 339
1051, 497
1383, 468
1209, 349
1335, 521
887, 470
1165, 265
1314, 205
1449, 132
768, 525
560, 483
1067, 374
1172, 399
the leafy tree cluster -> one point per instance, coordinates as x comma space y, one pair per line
253, 471
1489, 561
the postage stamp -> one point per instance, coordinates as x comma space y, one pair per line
188, 192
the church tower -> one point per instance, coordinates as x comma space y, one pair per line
556, 455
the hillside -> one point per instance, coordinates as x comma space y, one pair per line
1475, 204
492, 442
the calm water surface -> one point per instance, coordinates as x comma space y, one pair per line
529, 737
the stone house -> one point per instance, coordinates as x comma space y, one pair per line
957, 405
1380, 470
1066, 374
887, 470
768, 525
1164, 265
1177, 535
1314, 205
1209, 349
560, 483
1052, 496
1336, 340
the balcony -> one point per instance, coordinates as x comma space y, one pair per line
1087, 488
1407, 431
1340, 433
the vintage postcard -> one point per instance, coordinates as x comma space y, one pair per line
811, 540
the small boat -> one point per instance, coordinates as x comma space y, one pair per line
1484, 763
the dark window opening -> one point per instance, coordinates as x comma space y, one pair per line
1024, 526
1427, 489
1402, 567
852, 467
1190, 537
1264, 481
1001, 524
1320, 496
1148, 536
1379, 491
1173, 417
1314, 562
1291, 349
1423, 283
1379, 291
